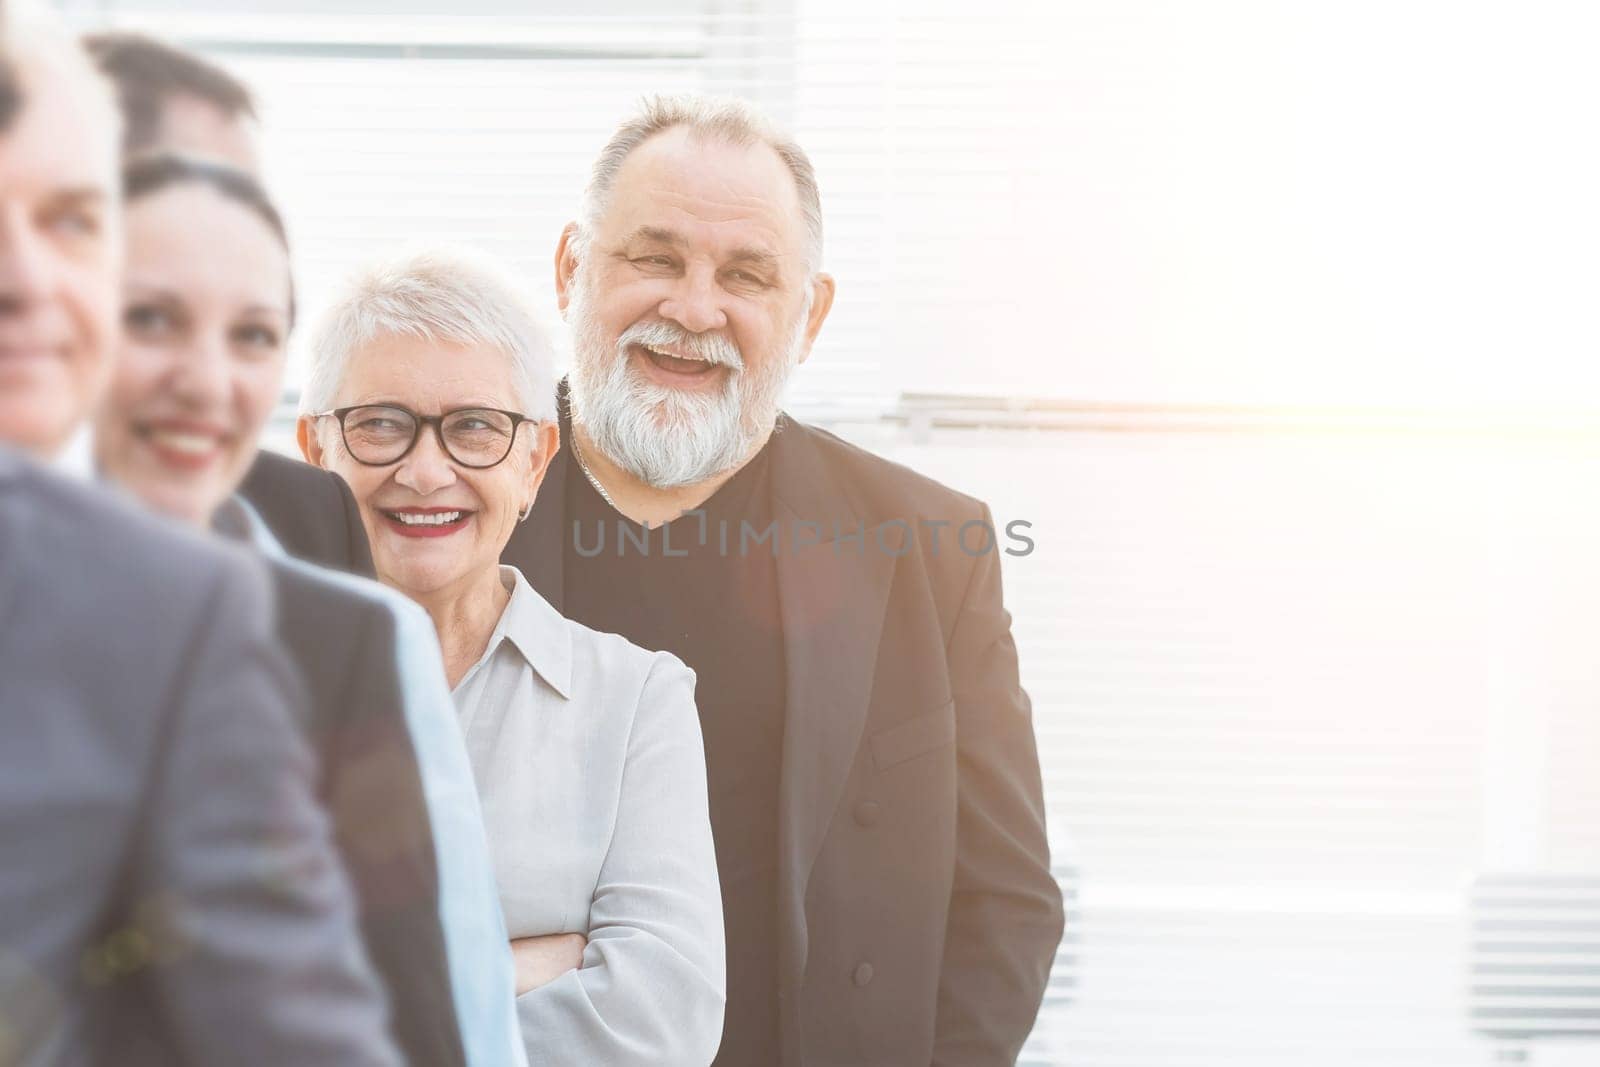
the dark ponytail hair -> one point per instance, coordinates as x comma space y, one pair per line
149, 174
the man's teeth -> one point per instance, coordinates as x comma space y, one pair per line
193, 444
442, 518
674, 355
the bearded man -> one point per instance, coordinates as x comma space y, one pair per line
874, 780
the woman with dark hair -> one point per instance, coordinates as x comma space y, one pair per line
207, 307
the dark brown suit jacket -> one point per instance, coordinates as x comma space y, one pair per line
918, 914
310, 511
368, 780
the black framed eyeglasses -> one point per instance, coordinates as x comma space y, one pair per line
377, 435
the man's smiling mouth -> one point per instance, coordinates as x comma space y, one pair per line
688, 366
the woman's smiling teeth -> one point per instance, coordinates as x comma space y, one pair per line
193, 444
437, 518
427, 522
184, 446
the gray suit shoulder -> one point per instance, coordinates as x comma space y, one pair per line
118, 593
87, 543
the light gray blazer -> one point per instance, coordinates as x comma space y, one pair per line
589, 763
169, 892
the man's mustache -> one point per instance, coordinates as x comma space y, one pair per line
711, 347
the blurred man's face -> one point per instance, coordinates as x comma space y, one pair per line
59, 259
690, 305
191, 125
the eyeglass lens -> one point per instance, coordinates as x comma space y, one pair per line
473, 437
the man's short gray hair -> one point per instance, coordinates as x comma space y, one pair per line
444, 296
723, 118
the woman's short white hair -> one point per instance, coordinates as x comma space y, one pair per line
448, 296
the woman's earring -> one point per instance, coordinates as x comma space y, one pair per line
523, 517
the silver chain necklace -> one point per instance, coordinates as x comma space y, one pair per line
577, 454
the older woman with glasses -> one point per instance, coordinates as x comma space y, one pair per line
432, 393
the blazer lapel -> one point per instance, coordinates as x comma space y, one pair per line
832, 598
538, 551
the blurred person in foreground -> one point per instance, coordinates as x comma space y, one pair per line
160, 848
431, 392
174, 101
874, 778
207, 306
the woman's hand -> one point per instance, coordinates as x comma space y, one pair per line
540, 959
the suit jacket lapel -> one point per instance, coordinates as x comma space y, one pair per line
832, 598
539, 550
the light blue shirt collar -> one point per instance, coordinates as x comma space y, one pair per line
76, 458
238, 513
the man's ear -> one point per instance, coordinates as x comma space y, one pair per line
305, 436
566, 265
822, 287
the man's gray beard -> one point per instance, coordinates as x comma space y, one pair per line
665, 437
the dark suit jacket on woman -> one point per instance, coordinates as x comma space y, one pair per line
918, 914
343, 649
310, 511
368, 779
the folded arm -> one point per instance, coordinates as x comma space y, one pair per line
650, 988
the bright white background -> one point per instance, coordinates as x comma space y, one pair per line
1276, 319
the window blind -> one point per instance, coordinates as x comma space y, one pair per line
1297, 677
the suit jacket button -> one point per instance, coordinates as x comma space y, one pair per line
863, 974
867, 813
